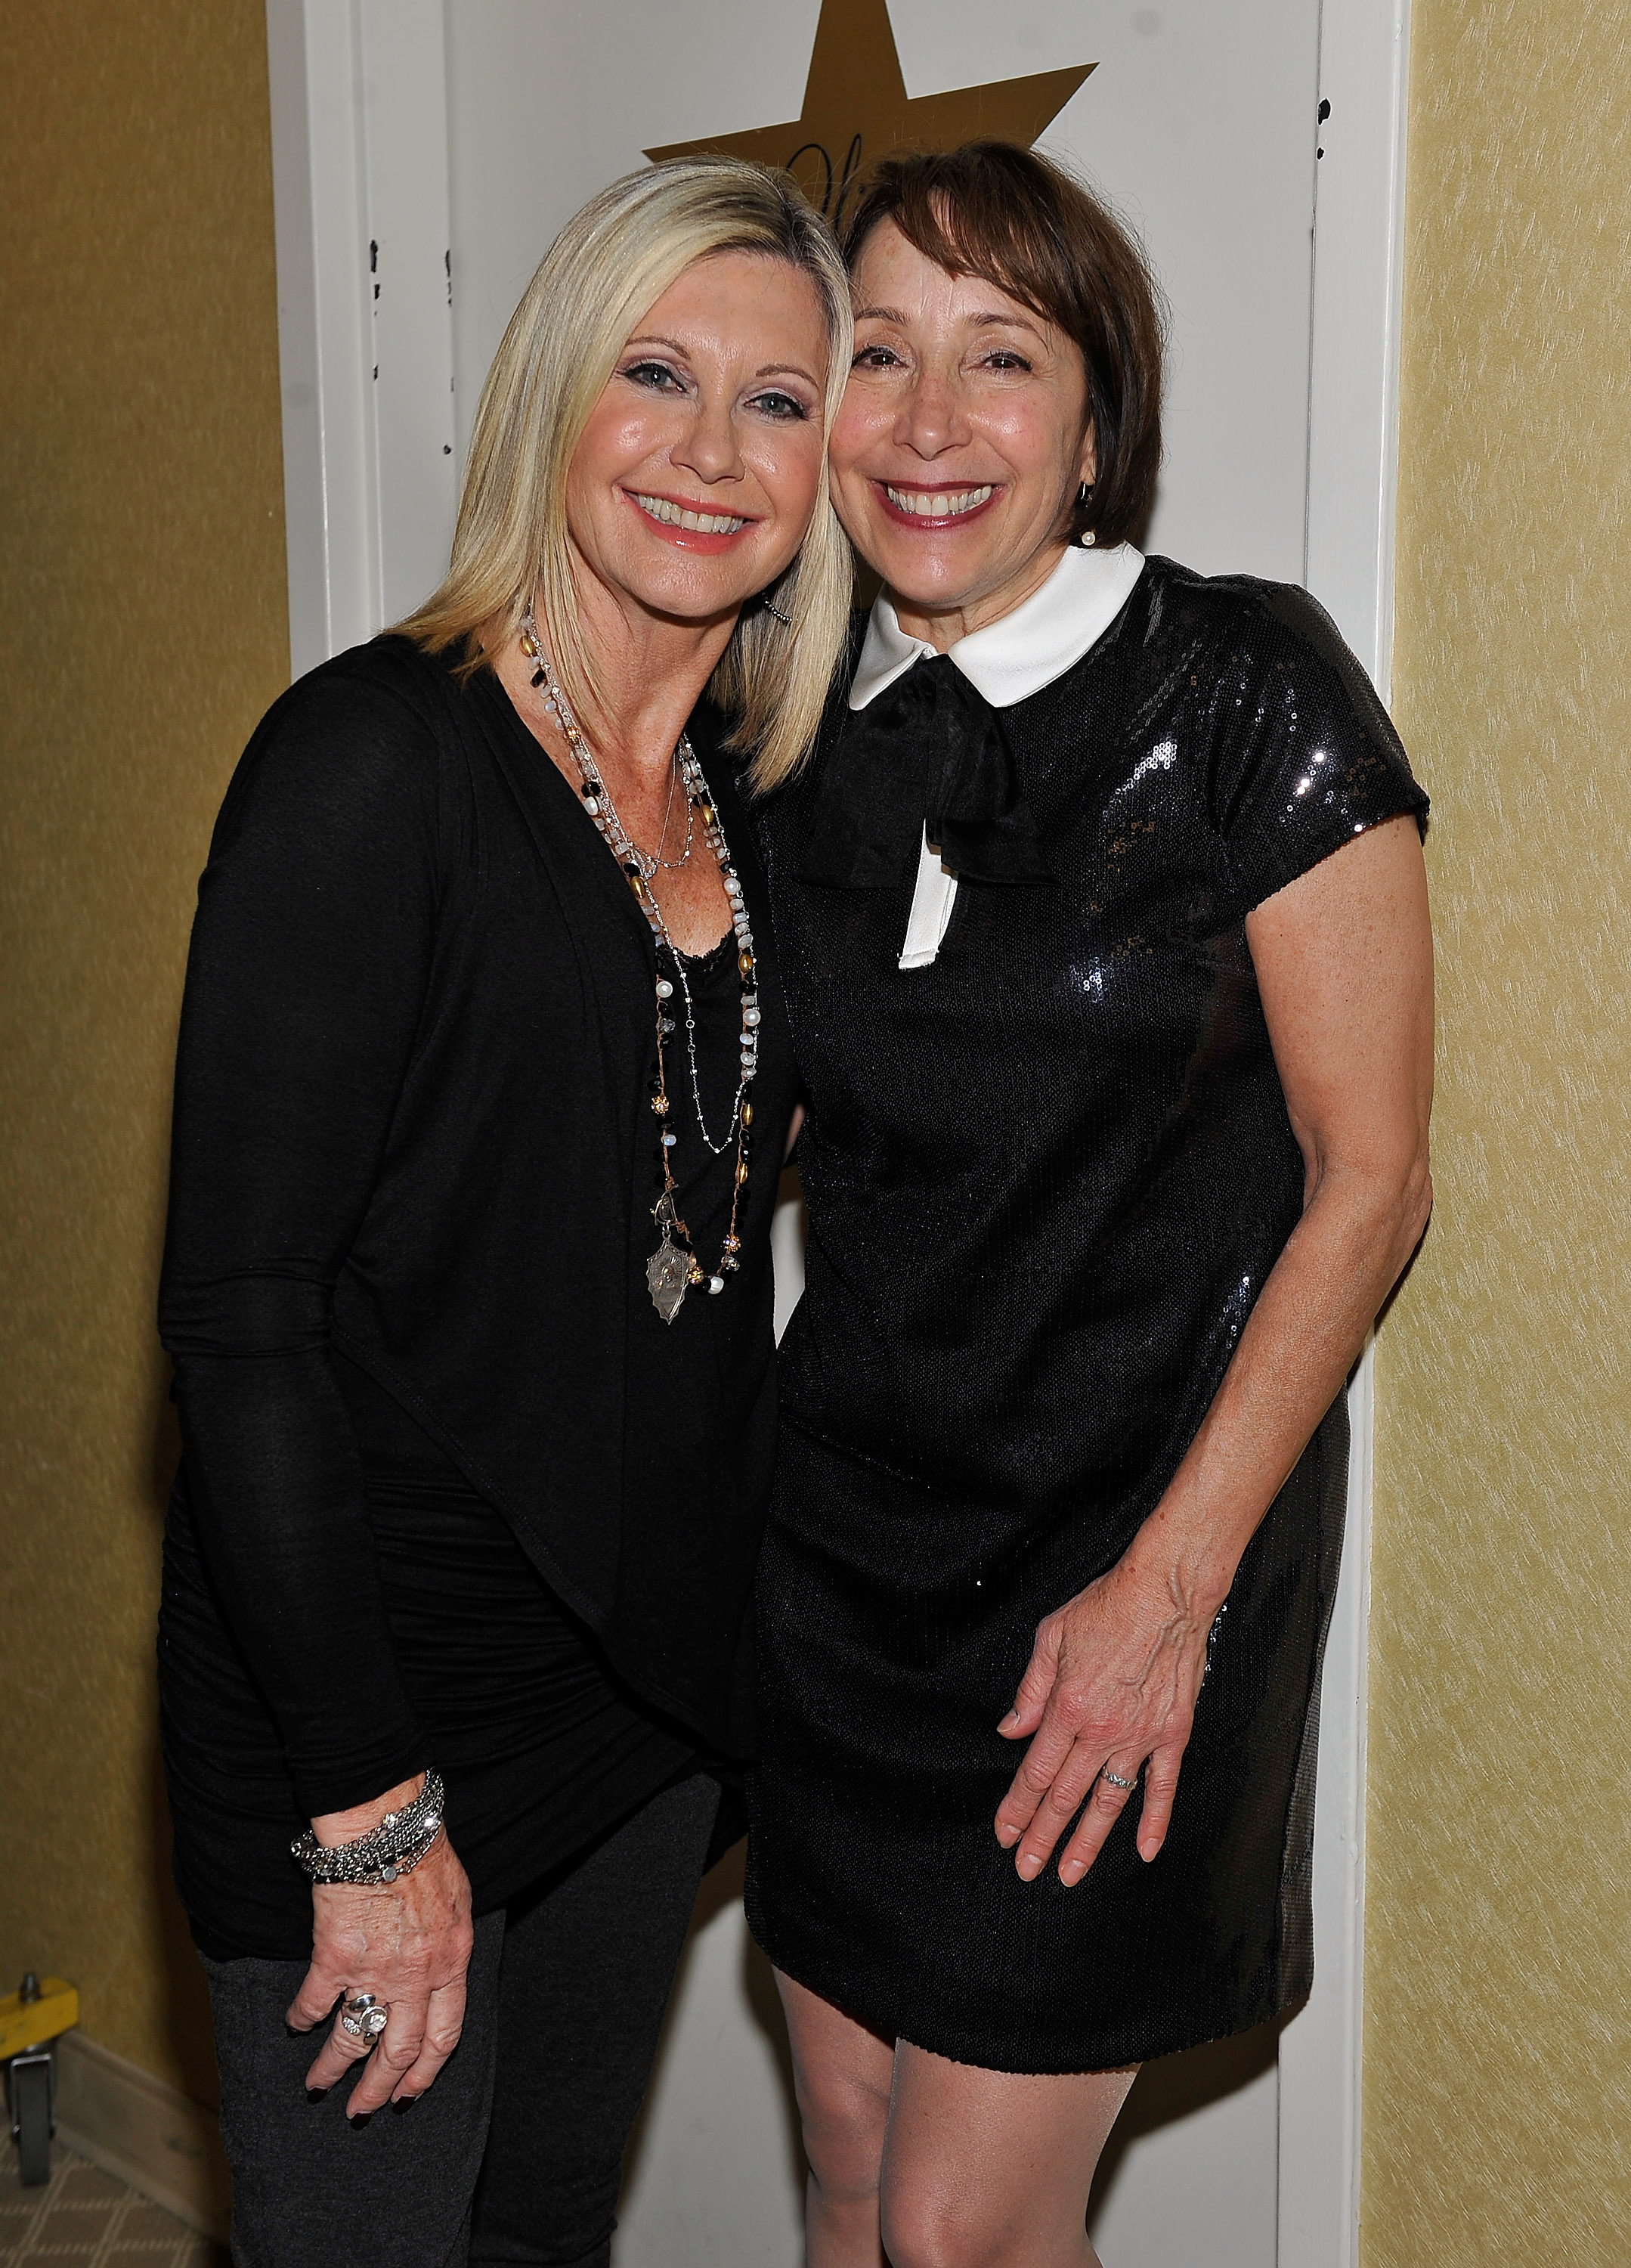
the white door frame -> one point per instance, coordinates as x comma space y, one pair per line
359, 143
1353, 465
365, 312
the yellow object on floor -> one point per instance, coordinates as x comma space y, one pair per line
30, 2023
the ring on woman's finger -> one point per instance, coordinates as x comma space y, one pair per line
364, 2017
1114, 1779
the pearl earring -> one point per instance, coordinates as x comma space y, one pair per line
1081, 495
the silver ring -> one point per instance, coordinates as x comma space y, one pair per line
1114, 1779
364, 2017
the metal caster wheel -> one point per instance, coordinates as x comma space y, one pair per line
31, 2119
32, 2020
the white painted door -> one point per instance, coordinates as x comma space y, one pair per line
425, 150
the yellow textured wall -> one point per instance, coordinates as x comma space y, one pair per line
1497, 2091
143, 627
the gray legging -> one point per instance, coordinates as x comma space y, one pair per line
514, 2155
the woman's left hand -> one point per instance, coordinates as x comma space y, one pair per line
1112, 1685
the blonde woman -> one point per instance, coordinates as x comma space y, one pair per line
483, 1084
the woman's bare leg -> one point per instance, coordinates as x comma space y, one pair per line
988, 2169
919, 2162
843, 2073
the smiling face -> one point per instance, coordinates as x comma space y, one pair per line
961, 442
694, 480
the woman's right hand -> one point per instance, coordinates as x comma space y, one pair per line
408, 1942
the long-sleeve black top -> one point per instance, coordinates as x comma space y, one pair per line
412, 1173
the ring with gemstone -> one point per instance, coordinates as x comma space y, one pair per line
364, 2017
1114, 1779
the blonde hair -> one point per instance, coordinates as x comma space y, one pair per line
610, 263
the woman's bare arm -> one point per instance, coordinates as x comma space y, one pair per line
1344, 964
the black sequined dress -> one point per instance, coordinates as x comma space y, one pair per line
1046, 1176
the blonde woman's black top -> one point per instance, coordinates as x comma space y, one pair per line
451, 1491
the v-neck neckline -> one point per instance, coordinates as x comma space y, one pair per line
606, 858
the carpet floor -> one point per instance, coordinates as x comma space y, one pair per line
85, 2219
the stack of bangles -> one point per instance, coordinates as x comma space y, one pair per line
387, 1851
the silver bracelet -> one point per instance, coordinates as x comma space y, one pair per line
387, 1851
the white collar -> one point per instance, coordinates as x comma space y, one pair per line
1018, 655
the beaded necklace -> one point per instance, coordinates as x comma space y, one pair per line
673, 1268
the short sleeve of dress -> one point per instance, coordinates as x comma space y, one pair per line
1304, 756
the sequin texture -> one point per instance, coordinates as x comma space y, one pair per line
1047, 1176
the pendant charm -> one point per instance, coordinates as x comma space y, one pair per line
674, 1267
668, 1273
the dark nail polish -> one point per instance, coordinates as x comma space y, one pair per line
406, 2103
317, 2095
359, 2119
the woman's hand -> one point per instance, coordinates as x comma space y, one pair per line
408, 1942
1112, 1684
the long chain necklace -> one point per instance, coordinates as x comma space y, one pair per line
673, 865
673, 1268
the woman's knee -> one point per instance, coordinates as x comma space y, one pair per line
921, 2233
844, 2121
940, 2209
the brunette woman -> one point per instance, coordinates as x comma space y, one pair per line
482, 1088
1104, 937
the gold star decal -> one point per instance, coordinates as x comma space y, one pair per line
857, 110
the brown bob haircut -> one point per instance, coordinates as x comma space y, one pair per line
1021, 222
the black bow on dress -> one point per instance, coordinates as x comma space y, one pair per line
928, 751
